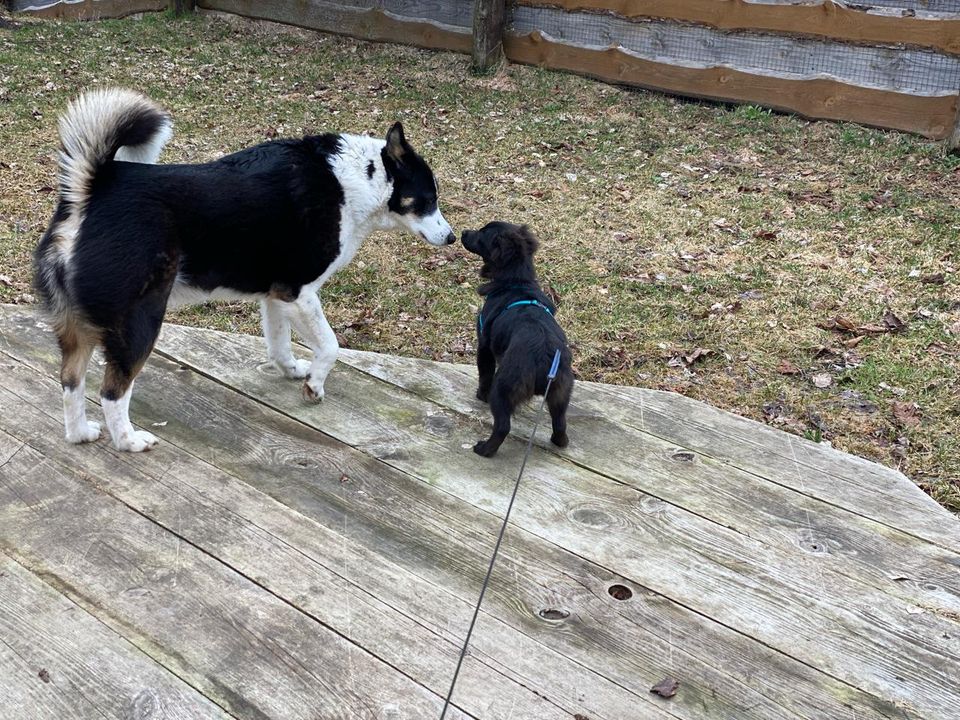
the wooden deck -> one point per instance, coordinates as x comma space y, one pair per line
273, 559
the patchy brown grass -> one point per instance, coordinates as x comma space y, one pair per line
667, 226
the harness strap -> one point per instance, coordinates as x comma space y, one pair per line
516, 303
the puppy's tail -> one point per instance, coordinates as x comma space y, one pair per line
103, 125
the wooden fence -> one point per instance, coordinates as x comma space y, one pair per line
888, 63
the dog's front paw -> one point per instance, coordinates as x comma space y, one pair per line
560, 439
89, 432
137, 441
294, 369
312, 391
484, 449
483, 395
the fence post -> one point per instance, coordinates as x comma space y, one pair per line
953, 142
489, 17
182, 7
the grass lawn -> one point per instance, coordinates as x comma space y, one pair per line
695, 247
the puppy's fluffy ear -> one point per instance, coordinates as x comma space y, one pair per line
513, 246
396, 142
526, 241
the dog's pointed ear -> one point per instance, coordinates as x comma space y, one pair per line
396, 142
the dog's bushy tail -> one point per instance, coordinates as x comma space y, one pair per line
103, 125
99, 126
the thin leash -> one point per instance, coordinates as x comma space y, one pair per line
503, 528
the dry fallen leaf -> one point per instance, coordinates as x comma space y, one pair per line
666, 688
787, 368
888, 323
838, 324
907, 414
893, 323
696, 355
822, 380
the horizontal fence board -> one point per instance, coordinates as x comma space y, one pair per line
937, 6
825, 18
88, 9
693, 52
932, 117
458, 13
921, 72
365, 23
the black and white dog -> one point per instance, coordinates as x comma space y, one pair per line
517, 334
130, 239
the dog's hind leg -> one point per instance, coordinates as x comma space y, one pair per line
486, 366
308, 320
76, 348
501, 406
126, 351
558, 399
276, 331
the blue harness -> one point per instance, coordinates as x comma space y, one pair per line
516, 303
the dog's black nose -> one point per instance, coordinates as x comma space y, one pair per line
451, 238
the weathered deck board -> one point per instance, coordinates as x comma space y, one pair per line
635, 646
825, 474
325, 573
89, 671
245, 648
891, 560
768, 591
367, 520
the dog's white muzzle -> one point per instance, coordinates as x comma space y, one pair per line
432, 228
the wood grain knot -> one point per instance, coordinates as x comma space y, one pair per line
438, 424
683, 456
620, 592
296, 460
592, 517
145, 705
553, 614
813, 544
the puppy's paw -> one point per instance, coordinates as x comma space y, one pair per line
89, 433
483, 395
312, 391
560, 439
137, 441
294, 369
484, 449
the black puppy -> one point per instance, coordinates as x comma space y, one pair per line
516, 332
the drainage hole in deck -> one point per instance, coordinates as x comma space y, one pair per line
620, 592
